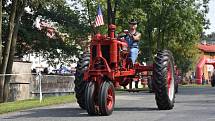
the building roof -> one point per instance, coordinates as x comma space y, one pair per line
207, 47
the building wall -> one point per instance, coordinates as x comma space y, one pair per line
208, 69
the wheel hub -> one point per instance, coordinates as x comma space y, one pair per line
110, 99
170, 82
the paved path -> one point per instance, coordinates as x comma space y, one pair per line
192, 104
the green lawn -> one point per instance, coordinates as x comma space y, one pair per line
33, 103
196, 85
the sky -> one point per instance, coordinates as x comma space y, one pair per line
211, 17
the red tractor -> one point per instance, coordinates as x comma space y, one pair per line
108, 65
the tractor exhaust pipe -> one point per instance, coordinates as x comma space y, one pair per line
111, 17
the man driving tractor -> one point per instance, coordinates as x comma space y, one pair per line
133, 37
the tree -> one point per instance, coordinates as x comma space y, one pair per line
0, 31
20, 31
165, 24
8, 43
19, 13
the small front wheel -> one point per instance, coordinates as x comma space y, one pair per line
90, 98
106, 98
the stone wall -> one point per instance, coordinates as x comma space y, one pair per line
53, 85
20, 82
24, 85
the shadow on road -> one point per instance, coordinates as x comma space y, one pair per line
53, 112
134, 109
68, 112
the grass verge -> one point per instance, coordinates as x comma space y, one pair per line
33, 103
196, 85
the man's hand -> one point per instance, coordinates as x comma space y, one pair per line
137, 37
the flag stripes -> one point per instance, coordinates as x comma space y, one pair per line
99, 18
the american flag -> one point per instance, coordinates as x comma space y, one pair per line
99, 18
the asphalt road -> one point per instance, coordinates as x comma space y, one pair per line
192, 104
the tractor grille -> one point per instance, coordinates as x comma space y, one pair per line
93, 52
105, 52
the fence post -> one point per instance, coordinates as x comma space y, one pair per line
39, 77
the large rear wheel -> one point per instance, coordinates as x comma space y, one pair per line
80, 84
106, 98
164, 80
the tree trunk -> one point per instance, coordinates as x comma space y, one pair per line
160, 28
163, 42
150, 39
7, 47
0, 32
10, 64
19, 13
114, 12
159, 34
159, 39
1, 82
